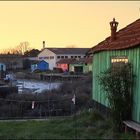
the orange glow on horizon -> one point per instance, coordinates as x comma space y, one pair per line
62, 23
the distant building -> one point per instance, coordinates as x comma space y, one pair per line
33, 65
2, 67
53, 55
64, 64
32, 54
31, 58
43, 65
82, 65
12, 61
2, 70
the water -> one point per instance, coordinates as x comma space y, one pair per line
36, 86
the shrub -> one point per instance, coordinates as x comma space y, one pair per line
117, 83
54, 102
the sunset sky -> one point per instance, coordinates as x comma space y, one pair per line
62, 23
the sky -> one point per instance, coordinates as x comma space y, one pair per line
62, 23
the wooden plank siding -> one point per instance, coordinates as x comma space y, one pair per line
102, 61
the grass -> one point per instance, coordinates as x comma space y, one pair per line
87, 125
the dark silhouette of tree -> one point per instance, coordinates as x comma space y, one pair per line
19, 49
23, 47
32, 53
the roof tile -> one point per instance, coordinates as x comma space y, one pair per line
125, 38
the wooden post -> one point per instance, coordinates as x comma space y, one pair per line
137, 135
125, 128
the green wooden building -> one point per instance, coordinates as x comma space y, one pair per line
82, 65
121, 46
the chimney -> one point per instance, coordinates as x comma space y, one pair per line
43, 44
113, 26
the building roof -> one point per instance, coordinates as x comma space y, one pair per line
42, 61
88, 60
10, 56
68, 50
75, 61
65, 61
127, 37
34, 61
79, 61
82, 60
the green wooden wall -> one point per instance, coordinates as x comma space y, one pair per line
86, 68
102, 61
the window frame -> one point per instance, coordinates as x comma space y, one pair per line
51, 57
58, 57
118, 59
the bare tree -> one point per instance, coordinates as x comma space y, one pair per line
19, 49
23, 47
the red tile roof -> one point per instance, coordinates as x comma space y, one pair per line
88, 60
127, 37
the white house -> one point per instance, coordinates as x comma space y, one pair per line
52, 55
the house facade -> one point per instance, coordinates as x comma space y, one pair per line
48, 56
12, 61
39, 65
122, 46
33, 65
53, 55
83, 65
64, 64
43, 65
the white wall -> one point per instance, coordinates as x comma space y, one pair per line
69, 56
46, 55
